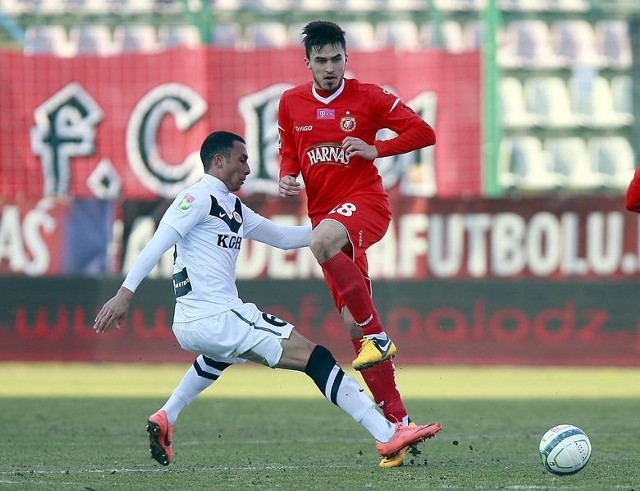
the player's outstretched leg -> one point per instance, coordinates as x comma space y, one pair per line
346, 393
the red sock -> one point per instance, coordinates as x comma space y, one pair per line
381, 380
349, 282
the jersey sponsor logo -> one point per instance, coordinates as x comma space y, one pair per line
328, 153
325, 113
304, 128
348, 123
186, 202
229, 241
181, 283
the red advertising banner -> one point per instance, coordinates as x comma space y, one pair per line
586, 238
130, 126
432, 322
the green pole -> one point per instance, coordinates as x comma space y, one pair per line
201, 18
491, 129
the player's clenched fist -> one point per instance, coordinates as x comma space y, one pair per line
355, 147
288, 186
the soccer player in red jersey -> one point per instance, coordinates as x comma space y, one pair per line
327, 131
632, 201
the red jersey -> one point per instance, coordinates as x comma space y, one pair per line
632, 201
312, 127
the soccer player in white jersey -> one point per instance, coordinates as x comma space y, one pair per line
206, 224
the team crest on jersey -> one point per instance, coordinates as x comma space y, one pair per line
237, 217
348, 123
186, 202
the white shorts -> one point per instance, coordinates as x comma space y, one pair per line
235, 336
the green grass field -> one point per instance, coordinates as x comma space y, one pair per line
81, 426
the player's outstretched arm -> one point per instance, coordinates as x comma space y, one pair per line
114, 311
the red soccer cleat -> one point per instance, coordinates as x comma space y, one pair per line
160, 437
406, 436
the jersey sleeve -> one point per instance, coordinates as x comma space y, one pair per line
632, 200
250, 220
163, 238
289, 164
188, 209
413, 131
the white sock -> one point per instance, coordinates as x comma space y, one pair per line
352, 399
346, 393
198, 377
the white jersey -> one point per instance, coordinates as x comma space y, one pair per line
206, 224
212, 223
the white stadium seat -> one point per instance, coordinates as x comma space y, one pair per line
92, 39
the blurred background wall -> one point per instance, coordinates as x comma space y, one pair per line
510, 242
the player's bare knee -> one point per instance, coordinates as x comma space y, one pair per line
295, 352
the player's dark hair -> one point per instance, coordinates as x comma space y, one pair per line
319, 33
217, 142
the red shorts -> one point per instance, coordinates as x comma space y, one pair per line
366, 220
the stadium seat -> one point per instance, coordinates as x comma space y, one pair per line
448, 35
92, 39
621, 90
87, 6
132, 6
612, 157
400, 34
267, 35
524, 165
574, 42
294, 33
473, 34
185, 35
523, 5
11, 7
266, 5
42, 7
227, 35
360, 35
404, 5
315, 5
568, 5
533, 43
460, 5
549, 99
226, 5
453, 36
362, 5
569, 157
613, 43
592, 97
47, 39
513, 105
136, 38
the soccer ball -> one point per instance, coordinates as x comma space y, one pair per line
565, 449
